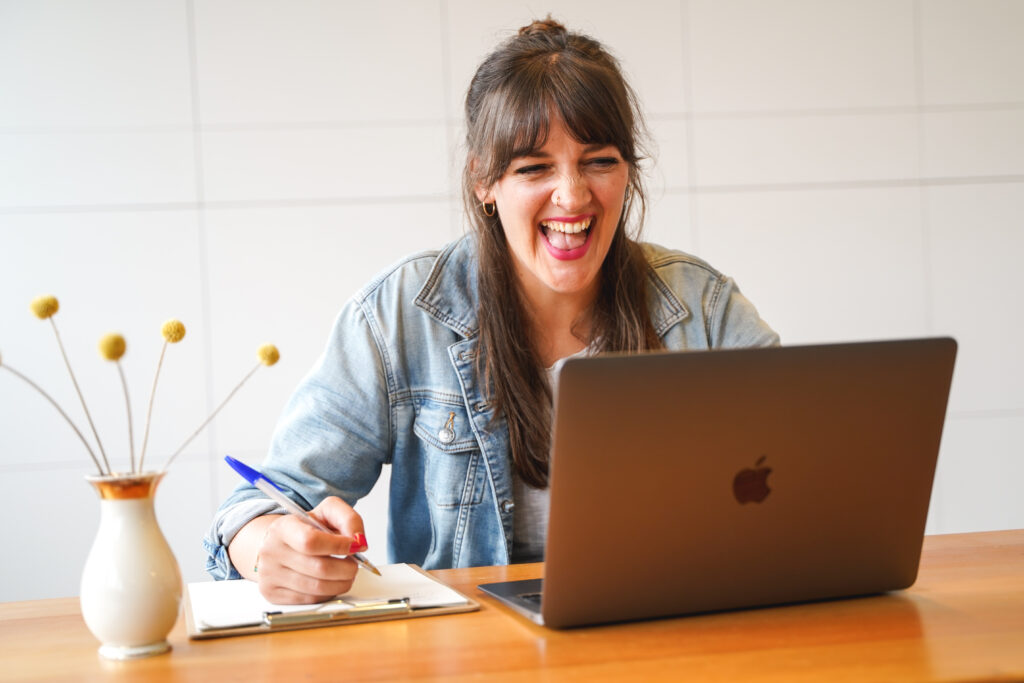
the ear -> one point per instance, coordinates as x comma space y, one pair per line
484, 194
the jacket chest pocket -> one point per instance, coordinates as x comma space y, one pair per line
452, 472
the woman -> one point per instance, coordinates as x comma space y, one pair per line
442, 366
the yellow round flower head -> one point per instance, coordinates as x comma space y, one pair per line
268, 354
173, 331
112, 346
44, 306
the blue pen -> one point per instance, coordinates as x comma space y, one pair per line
273, 491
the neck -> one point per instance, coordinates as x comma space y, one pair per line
560, 323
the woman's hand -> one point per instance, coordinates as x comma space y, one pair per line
295, 563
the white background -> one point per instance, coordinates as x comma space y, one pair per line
856, 165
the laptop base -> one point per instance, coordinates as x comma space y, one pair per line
522, 596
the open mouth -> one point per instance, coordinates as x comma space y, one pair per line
567, 235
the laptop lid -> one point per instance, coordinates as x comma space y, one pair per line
687, 482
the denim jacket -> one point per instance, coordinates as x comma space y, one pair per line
397, 386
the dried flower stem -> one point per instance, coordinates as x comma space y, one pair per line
149, 411
81, 398
59, 410
212, 415
128, 405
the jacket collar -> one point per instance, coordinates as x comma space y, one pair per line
450, 293
663, 303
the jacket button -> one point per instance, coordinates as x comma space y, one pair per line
507, 505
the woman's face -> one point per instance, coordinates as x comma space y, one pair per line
560, 206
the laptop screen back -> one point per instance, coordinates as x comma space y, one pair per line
709, 480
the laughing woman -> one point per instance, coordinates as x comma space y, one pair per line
442, 367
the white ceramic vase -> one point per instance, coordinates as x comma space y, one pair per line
131, 585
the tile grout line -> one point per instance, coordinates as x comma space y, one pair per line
325, 202
919, 99
242, 205
447, 93
938, 513
810, 186
451, 118
231, 204
881, 110
203, 241
691, 153
75, 465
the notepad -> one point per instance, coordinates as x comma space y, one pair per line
223, 608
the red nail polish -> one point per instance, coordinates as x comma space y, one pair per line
360, 539
355, 547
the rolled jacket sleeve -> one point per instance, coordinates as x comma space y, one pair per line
332, 439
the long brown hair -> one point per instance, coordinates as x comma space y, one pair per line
541, 72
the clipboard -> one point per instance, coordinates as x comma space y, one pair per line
217, 609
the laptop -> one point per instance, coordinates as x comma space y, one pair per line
690, 482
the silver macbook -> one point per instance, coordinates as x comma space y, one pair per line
689, 482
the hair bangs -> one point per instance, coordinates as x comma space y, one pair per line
591, 114
512, 127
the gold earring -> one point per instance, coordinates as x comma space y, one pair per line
494, 209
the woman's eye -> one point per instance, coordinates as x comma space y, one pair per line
531, 169
604, 162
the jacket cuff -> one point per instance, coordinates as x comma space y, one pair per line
226, 524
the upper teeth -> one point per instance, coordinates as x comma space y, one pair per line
560, 226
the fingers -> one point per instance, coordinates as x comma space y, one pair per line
339, 515
304, 539
306, 579
300, 564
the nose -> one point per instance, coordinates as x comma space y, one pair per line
572, 193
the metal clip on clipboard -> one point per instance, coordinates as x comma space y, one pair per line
338, 610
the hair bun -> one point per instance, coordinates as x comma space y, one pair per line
543, 27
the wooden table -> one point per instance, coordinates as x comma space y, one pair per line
963, 619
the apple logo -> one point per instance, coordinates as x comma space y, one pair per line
751, 485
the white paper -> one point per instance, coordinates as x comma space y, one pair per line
229, 604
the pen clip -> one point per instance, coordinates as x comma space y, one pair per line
338, 610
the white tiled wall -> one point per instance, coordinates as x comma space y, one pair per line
857, 165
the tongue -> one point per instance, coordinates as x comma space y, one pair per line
565, 241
